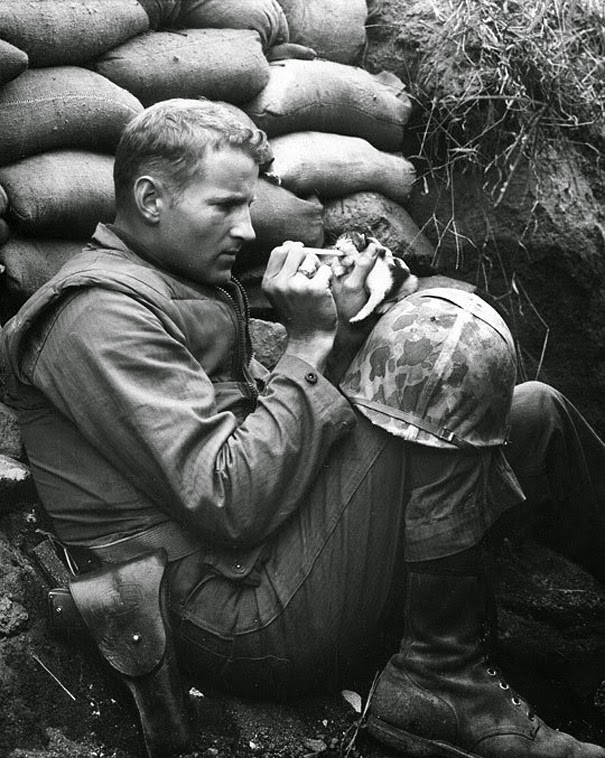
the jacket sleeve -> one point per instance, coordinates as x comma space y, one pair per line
141, 398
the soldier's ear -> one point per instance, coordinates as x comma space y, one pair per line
149, 198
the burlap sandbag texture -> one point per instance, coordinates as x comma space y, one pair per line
12, 62
381, 217
220, 64
334, 28
319, 95
30, 263
64, 106
279, 215
58, 32
3, 201
4, 231
263, 16
163, 14
332, 165
61, 193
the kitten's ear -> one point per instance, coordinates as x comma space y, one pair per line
358, 239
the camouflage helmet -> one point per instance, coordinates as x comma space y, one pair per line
438, 369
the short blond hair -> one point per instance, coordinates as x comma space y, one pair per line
171, 139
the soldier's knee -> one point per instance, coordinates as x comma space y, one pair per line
537, 412
537, 397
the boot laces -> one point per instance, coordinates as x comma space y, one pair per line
516, 700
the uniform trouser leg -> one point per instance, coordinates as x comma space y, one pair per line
327, 582
333, 570
560, 463
440, 694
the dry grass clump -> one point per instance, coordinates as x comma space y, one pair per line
502, 76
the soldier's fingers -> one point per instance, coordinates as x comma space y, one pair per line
309, 265
323, 276
338, 269
364, 263
284, 259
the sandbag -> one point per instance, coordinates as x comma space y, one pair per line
220, 64
64, 106
384, 219
4, 231
264, 16
12, 62
56, 32
290, 50
334, 28
62, 193
163, 14
278, 215
3, 201
332, 165
319, 95
30, 263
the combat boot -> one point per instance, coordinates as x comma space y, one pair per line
439, 696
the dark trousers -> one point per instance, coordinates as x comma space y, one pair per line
333, 572
559, 461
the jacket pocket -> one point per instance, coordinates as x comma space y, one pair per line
240, 566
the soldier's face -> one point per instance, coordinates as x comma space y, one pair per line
204, 229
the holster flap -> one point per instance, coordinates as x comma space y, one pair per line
124, 607
62, 610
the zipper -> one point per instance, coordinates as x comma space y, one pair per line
243, 354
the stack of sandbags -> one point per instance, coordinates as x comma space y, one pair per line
59, 127
220, 64
309, 95
61, 32
335, 129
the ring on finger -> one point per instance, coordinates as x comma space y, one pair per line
309, 273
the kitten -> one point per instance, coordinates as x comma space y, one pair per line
390, 278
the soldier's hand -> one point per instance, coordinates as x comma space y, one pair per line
297, 285
348, 285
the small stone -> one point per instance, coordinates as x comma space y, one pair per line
15, 483
317, 746
13, 617
268, 341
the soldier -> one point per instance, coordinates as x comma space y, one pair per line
288, 514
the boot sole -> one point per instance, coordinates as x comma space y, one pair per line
411, 744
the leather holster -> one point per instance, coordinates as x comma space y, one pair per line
124, 607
